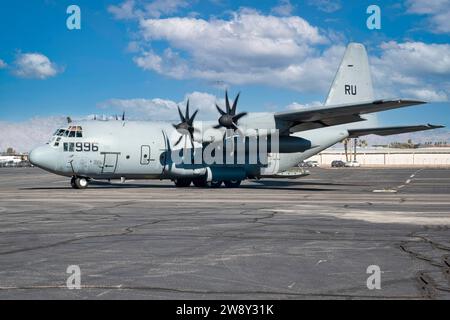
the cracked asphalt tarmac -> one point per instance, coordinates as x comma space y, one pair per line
308, 238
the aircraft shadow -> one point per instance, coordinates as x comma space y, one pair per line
299, 182
254, 184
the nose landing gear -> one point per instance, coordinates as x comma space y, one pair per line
79, 182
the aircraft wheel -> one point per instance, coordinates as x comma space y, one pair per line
200, 182
81, 183
232, 183
215, 184
182, 183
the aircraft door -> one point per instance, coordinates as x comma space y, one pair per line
145, 155
109, 162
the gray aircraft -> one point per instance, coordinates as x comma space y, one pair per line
122, 149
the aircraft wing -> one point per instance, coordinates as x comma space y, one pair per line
330, 115
386, 131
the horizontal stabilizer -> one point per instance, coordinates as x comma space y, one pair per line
325, 116
386, 131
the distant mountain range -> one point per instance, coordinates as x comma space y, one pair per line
435, 135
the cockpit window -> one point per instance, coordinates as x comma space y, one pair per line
59, 132
70, 132
74, 132
68, 146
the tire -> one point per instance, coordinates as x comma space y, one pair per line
81, 183
215, 184
232, 183
200, 182
182, 183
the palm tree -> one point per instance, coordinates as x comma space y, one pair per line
358, 143
345, 142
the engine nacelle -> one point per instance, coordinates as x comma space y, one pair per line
291, 144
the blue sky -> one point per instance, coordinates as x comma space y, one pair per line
146, 56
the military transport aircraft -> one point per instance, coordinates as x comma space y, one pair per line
105, 150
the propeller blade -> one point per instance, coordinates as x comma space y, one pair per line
123, 116
217, 126
238, 116
227, 102
233, 108
191, 120
178, 141
192, 141
181, 114
238, 130
220, 110
187, 109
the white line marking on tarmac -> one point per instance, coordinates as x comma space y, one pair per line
394, 190
400, 217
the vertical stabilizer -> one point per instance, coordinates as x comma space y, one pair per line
352, 82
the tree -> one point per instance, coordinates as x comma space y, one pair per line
345, 142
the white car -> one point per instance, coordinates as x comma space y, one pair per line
312, 163
353, 163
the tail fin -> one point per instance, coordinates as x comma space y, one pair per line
352, 82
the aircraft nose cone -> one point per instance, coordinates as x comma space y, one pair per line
41, 157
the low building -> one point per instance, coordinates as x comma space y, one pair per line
389, 156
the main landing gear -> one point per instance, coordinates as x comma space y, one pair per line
202, 183
79, 182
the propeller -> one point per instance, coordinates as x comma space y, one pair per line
185, 127
228, 119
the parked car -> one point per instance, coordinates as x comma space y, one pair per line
312, 163
303, 164
337, 164
308, 164
353, 163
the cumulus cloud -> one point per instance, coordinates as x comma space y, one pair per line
2, 64
124, 11
247, 48
415, 69
135, 9
437, 12
284, 8
163, 109
327, 6
34, 65
298, 106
